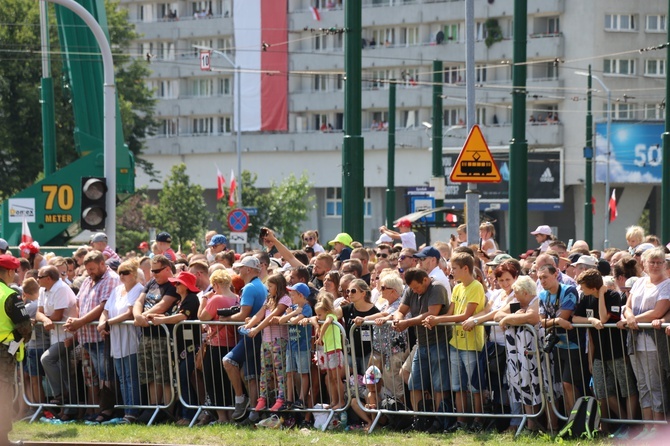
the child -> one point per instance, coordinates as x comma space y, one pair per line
273, 347
332, 360
297, 356
543, 236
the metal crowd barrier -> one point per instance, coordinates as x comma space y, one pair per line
209, 388
70, 374
489, 384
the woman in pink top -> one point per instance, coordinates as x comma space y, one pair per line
275, 336
220, 339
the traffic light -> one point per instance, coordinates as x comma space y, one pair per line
93, 199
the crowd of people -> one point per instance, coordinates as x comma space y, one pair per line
447, 328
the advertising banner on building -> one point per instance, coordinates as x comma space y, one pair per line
545, 177
636, 152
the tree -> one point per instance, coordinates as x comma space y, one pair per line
181, 208
283, 207
132, 228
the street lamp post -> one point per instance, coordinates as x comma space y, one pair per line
607, 152
238, 113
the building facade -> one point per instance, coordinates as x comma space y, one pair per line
401, 39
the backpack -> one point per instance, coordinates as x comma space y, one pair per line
395, 421
584, 419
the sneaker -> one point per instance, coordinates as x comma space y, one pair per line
241, 409
254, 416
435, 428
476, 427
457, 426
621, 433
412, 427
279, 405
261, 404
298, 404
646, 434
304, 424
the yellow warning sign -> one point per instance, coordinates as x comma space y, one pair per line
475, 163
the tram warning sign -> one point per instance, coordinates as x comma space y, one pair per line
475, 163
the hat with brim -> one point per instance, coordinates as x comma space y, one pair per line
143, 245
187, 279
403, 223
542, 229
497, 260
99, 237
300, 288
586, 260
250, 261
343, 238
384, 239
428, 251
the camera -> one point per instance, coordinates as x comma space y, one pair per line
228, 311
550, 342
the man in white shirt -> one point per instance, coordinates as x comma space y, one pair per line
429, 261
56, 303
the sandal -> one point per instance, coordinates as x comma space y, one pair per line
57, 400
100, 418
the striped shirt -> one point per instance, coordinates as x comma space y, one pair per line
91, 294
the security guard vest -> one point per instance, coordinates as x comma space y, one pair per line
6, 324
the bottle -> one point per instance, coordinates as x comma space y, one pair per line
343, 419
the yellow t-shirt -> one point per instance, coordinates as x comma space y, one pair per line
332, 338
461, 296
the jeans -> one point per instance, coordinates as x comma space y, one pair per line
188, 392
126, 371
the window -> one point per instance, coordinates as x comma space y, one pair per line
654, 67
624, 67
453, 116
409, 118
409, 76
656, 23
623, 111
481, 115
165, 51
452, 32
197, 44
340, 82
320, 122
202, 87
225, 124
226, 45
334, 202
320, 82
384, 36
409, 36
202, 126
480, 73
168, 127
319, 43
453, 74
620, 22
480, 31
225, 86
553, 25
653, 111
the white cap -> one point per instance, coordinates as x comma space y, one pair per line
384, 239
542, 229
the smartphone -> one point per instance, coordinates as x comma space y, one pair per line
570, 242
263, 233
514, 307
481, 242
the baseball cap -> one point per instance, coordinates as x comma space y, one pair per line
574, 257
497, 260
143, 245
250, 261
164, 237
428, 251
383, 239
99, 237
586, 260
9, 262
604, 267
643, 247
3, 244
542, 229
300, 288
218, 239
403, 223
343, 238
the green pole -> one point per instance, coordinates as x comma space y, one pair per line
48, 125
588, 154
438, 169
518, 156
665, 184
352, 147
390, 175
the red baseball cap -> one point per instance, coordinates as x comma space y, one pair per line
143, 245
9, 262
403, 223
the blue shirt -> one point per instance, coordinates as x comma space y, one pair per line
300, 336
253, 295
549, 307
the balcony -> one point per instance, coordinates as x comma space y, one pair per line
201, 106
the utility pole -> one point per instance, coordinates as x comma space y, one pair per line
588, 155
437, 180
518, 150
353, 158
390, 175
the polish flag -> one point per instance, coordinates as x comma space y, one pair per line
233, 188
263, 73
220, 183
612, 206
26, 236
315, 13
593, 205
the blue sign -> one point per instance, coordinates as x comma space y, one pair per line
251, 211
636, 152
423, 204
238, 220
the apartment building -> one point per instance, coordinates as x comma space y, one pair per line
401, 39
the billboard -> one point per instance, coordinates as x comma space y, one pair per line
545, 177
636, 152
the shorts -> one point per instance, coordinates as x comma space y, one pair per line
572, 366
96, 352
614, 377
651, 384
430, 369
297, 360
463, 367
407, 365
332, 360
153, 357
246, 354
31, 363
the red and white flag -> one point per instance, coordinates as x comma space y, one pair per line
233, 187
263, 74
315, 13
593, 205
26, 236
220, 183
612, 206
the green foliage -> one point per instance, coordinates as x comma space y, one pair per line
493, 32
181, 208
132, 227
283, 207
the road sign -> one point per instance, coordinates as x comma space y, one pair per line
475, 163
238, 220
251, 211
423, 204
237, 238
205, 60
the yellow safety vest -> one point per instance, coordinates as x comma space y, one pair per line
6, 324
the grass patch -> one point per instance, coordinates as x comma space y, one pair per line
234, 435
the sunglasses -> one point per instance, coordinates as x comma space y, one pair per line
156, 271
63, 274
308, 239
344, 291
353, 291
346, 271
382, 255
401, 258
124, 273
384, 288
42, 277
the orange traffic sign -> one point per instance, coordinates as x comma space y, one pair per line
475, 163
